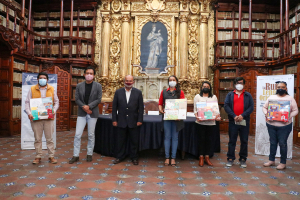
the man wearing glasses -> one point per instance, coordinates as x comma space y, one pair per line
238, 105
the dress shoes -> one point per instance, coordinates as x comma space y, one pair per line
135, 162
52, 160
74, 159
36, 161
117, 161
201, 161
89, 158
207, 161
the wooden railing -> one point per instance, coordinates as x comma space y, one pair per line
267, 50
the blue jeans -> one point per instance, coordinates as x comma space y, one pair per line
81, 122
170, 134
279, 134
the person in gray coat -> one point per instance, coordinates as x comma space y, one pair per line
88, 95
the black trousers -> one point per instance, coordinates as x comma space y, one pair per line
243, 132
205, 139
122, 136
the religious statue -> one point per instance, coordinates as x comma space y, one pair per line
155, 47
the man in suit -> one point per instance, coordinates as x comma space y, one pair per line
127, 115
88, 95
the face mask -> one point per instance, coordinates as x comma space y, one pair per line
42, 82
128, 85
239, 86
172, 83
89, 77
205, 90
280, 92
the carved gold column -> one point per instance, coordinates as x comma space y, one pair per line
204, 47
105, 44
125, 45
183, 45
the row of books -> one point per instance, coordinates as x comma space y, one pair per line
223, 113
33, 68
74, 110
270, 35
258, 51
17, 77
246, 15
73, 92
291, 69
226, 84
19, 65
81, 23
78, 71
295, 18
296, 8
56, 23
84, 34
228, 35
75, 81
294, 33
277, 71
222, 95
11, 25
65, 50
227, 73
245, 24
17, 110
65, 14
17, 92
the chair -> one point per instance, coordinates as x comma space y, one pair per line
151, 106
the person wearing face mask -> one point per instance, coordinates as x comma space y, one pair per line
42, 90
171, 127
127, 115
88, 95
238, 105
280, 131
205, 128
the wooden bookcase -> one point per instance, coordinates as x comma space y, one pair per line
263, 24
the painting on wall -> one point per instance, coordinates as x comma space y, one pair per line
154, 47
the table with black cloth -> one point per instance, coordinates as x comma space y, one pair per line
152, 136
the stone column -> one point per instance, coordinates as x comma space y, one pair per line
204, 53
183, 45
105, 44
125, 45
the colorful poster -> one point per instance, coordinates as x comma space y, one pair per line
207, 110
42, 108
279, 110
175, 109
27, 135
266, 87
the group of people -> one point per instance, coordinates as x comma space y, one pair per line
127, 116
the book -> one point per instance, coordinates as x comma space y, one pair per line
278, 110
207, 110
42, 108
175, 109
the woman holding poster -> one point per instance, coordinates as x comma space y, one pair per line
279, 110
206, 110
171, 127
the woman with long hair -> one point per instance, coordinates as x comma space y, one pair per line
171, 127
205, 128
280, 131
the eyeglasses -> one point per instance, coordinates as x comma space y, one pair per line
277, 82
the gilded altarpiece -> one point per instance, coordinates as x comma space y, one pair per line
190, 44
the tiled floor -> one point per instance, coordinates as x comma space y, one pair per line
100, 179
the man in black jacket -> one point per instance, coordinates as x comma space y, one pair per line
238, 105
127, 115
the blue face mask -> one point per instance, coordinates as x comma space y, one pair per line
42, 82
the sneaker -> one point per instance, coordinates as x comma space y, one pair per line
229, 163
243, 163
74, 159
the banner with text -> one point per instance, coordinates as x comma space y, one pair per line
266, 87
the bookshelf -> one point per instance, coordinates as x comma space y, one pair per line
265, 23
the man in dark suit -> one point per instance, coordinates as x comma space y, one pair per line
127, 115
88, 95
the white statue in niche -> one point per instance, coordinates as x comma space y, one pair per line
155, 47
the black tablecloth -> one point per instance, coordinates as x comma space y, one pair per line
151, 135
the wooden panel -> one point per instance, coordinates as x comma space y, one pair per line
4, 94
4, 110
16, 127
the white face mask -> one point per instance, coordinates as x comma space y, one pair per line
172, 83
239, 87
